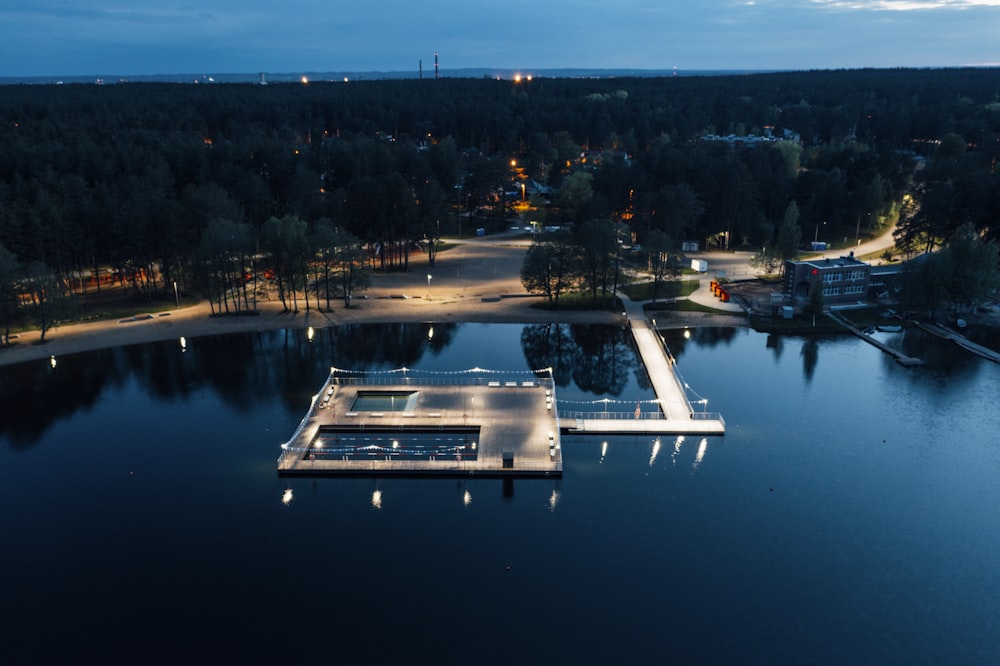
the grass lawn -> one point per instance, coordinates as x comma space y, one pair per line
671, 289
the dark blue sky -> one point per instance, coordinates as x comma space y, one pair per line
131, 37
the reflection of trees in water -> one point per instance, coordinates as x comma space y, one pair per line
598, 359
35, 395
603, 359
708, 336
712, 336
361, 346
810, 357
243, 369
776, 343
549, 345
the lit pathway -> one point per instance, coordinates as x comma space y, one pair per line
679, 417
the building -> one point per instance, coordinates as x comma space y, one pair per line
842, 280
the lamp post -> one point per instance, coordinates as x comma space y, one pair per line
428, 286
816, 235
857, 229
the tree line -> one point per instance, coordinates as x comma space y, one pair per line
201, 185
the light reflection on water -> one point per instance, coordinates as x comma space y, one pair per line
848, 515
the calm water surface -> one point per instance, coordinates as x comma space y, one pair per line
850, 515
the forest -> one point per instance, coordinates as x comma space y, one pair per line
163, 187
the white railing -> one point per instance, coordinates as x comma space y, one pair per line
500, 381
630, 416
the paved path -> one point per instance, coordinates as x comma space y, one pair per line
660, 368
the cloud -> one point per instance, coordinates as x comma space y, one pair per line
905, 5
144, 36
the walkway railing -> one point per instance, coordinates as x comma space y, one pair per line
501, 381
631, 416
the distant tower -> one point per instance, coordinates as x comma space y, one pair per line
435, 64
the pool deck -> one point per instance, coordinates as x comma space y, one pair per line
512, 415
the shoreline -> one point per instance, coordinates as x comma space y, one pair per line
477, 281
196, 321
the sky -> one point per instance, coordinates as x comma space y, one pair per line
135, 37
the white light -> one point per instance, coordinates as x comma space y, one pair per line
467, 498
310, 333
395, 444
702, 447
677, 449
553, 498
604, 450
377, 499
656, 451
305, 79
687, 334
52, 361
184, 343
430, 333
286, 497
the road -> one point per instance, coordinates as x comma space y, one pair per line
736, 265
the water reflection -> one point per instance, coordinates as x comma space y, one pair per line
250, 369
598, 359
702, 448
677, 449
810, 357
286, 496
655, 452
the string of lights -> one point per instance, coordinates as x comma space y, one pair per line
387, 450
607, 401
700, 399
482, 371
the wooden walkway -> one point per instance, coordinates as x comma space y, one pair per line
960, 340
676, 416
901, 358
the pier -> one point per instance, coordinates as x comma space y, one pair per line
673, 413
475, 422
402, 422
901, 358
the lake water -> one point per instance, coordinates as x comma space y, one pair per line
851, 514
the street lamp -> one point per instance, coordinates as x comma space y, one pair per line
816, 236
428, 286
857, 229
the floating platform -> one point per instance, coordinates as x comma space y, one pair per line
416, 423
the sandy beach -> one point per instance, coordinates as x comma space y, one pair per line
476, 281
